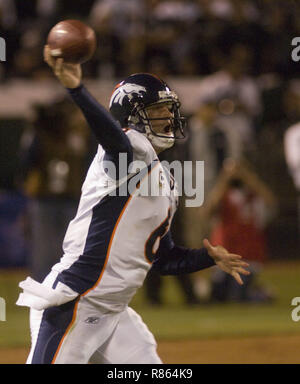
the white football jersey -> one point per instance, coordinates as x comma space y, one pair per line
110, 244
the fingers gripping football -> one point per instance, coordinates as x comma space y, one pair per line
68, 74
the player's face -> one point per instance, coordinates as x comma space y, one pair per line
161, 119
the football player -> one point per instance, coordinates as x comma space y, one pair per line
80, 312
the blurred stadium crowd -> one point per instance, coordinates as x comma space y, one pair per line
248, 96
186, 38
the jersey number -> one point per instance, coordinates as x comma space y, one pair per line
158, 233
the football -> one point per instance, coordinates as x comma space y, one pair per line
72, 40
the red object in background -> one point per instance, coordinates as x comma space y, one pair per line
239, 228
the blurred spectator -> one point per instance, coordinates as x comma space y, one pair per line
212, 141
242, 206
279, 16
69, 9
237, 92
8, 14
120, 26
186, 35
291, 105
28, 60
291, 102
292, 155
170, 34
54, 154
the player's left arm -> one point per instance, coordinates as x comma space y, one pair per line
172, 259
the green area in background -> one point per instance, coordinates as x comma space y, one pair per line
175, 320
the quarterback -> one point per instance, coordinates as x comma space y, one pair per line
80, 313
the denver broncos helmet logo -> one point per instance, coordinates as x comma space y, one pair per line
126, 90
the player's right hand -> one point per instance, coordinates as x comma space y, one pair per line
68, 74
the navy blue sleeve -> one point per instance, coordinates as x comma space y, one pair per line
106, 129
175, 260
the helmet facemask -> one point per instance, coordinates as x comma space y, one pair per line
144, 123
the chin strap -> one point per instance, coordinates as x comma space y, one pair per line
159, 142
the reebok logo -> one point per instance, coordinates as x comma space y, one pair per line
92, 320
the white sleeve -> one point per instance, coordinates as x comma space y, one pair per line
39, 296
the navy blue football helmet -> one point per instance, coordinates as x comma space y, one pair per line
133, 95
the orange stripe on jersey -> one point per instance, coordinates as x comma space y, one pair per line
97, 282
67, 331
109, 247
113, 234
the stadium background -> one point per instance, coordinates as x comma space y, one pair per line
187, 43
